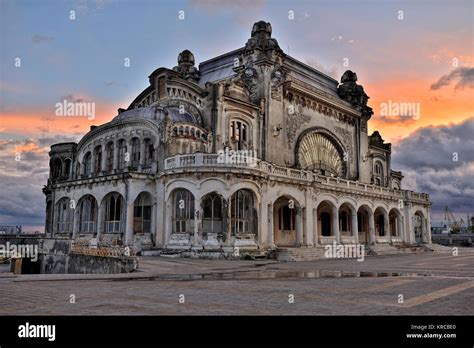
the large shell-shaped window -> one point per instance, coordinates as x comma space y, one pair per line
317, 152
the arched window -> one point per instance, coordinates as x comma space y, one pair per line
242, 213
378, 174
98, 159
113, 213
325, 224
87, 214
67, 168
317, 151
122, 150
286, 219
142, 213
238, 134
57, 168
149, 152
183, 212
135, 153
110, 157
212, 213
65, 216
87, 164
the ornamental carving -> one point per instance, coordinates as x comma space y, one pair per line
249, 77
347, 140
276, 81
295, 120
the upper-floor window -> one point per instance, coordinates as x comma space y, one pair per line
135, 153
122, 150
98, 159
239, 134
87, 163
149, 152
109, 164
378, 174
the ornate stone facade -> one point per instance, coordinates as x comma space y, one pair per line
252, 149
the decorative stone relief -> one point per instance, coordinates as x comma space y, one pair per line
277, 78
249, 77
295, 121
347, 140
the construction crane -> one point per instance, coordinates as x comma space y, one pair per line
453, 224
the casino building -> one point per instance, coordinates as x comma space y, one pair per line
163, 174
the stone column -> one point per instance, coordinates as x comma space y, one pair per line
128, 163
271, 239
142, 155
93, 162
153, 220
75, 222
116, 153
160, 221
299, 226
400, 228
261, 223
371, 217
315, 228
103, 165
423, 230
355, 231
428, 226
229, 221
386, 223
197, 221
100, 220
308, 219
129, 224
335, 224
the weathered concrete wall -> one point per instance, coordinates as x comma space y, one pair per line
100, 265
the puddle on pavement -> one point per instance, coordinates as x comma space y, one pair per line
280, 274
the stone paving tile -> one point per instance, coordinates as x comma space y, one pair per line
253, 288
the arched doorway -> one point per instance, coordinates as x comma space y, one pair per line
243, 215
327, 222
380, 217
363, 215
284, 221
212, 214
183, 212
114, 213
395, 223
65, 216
142, 213
87, 210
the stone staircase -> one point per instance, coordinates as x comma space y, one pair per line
391, 249
299, 254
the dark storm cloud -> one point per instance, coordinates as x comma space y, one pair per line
463, 75
21, 181
427, 159
436, 147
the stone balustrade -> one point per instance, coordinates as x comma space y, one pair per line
212, 160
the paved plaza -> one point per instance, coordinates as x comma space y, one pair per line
413, 284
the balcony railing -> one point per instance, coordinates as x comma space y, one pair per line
211, 160
113, 226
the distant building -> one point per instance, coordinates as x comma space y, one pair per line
10, 230
252, 149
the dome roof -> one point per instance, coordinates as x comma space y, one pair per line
156, 113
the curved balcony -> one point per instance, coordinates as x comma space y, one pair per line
211, 162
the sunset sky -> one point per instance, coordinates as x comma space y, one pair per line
402, 51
